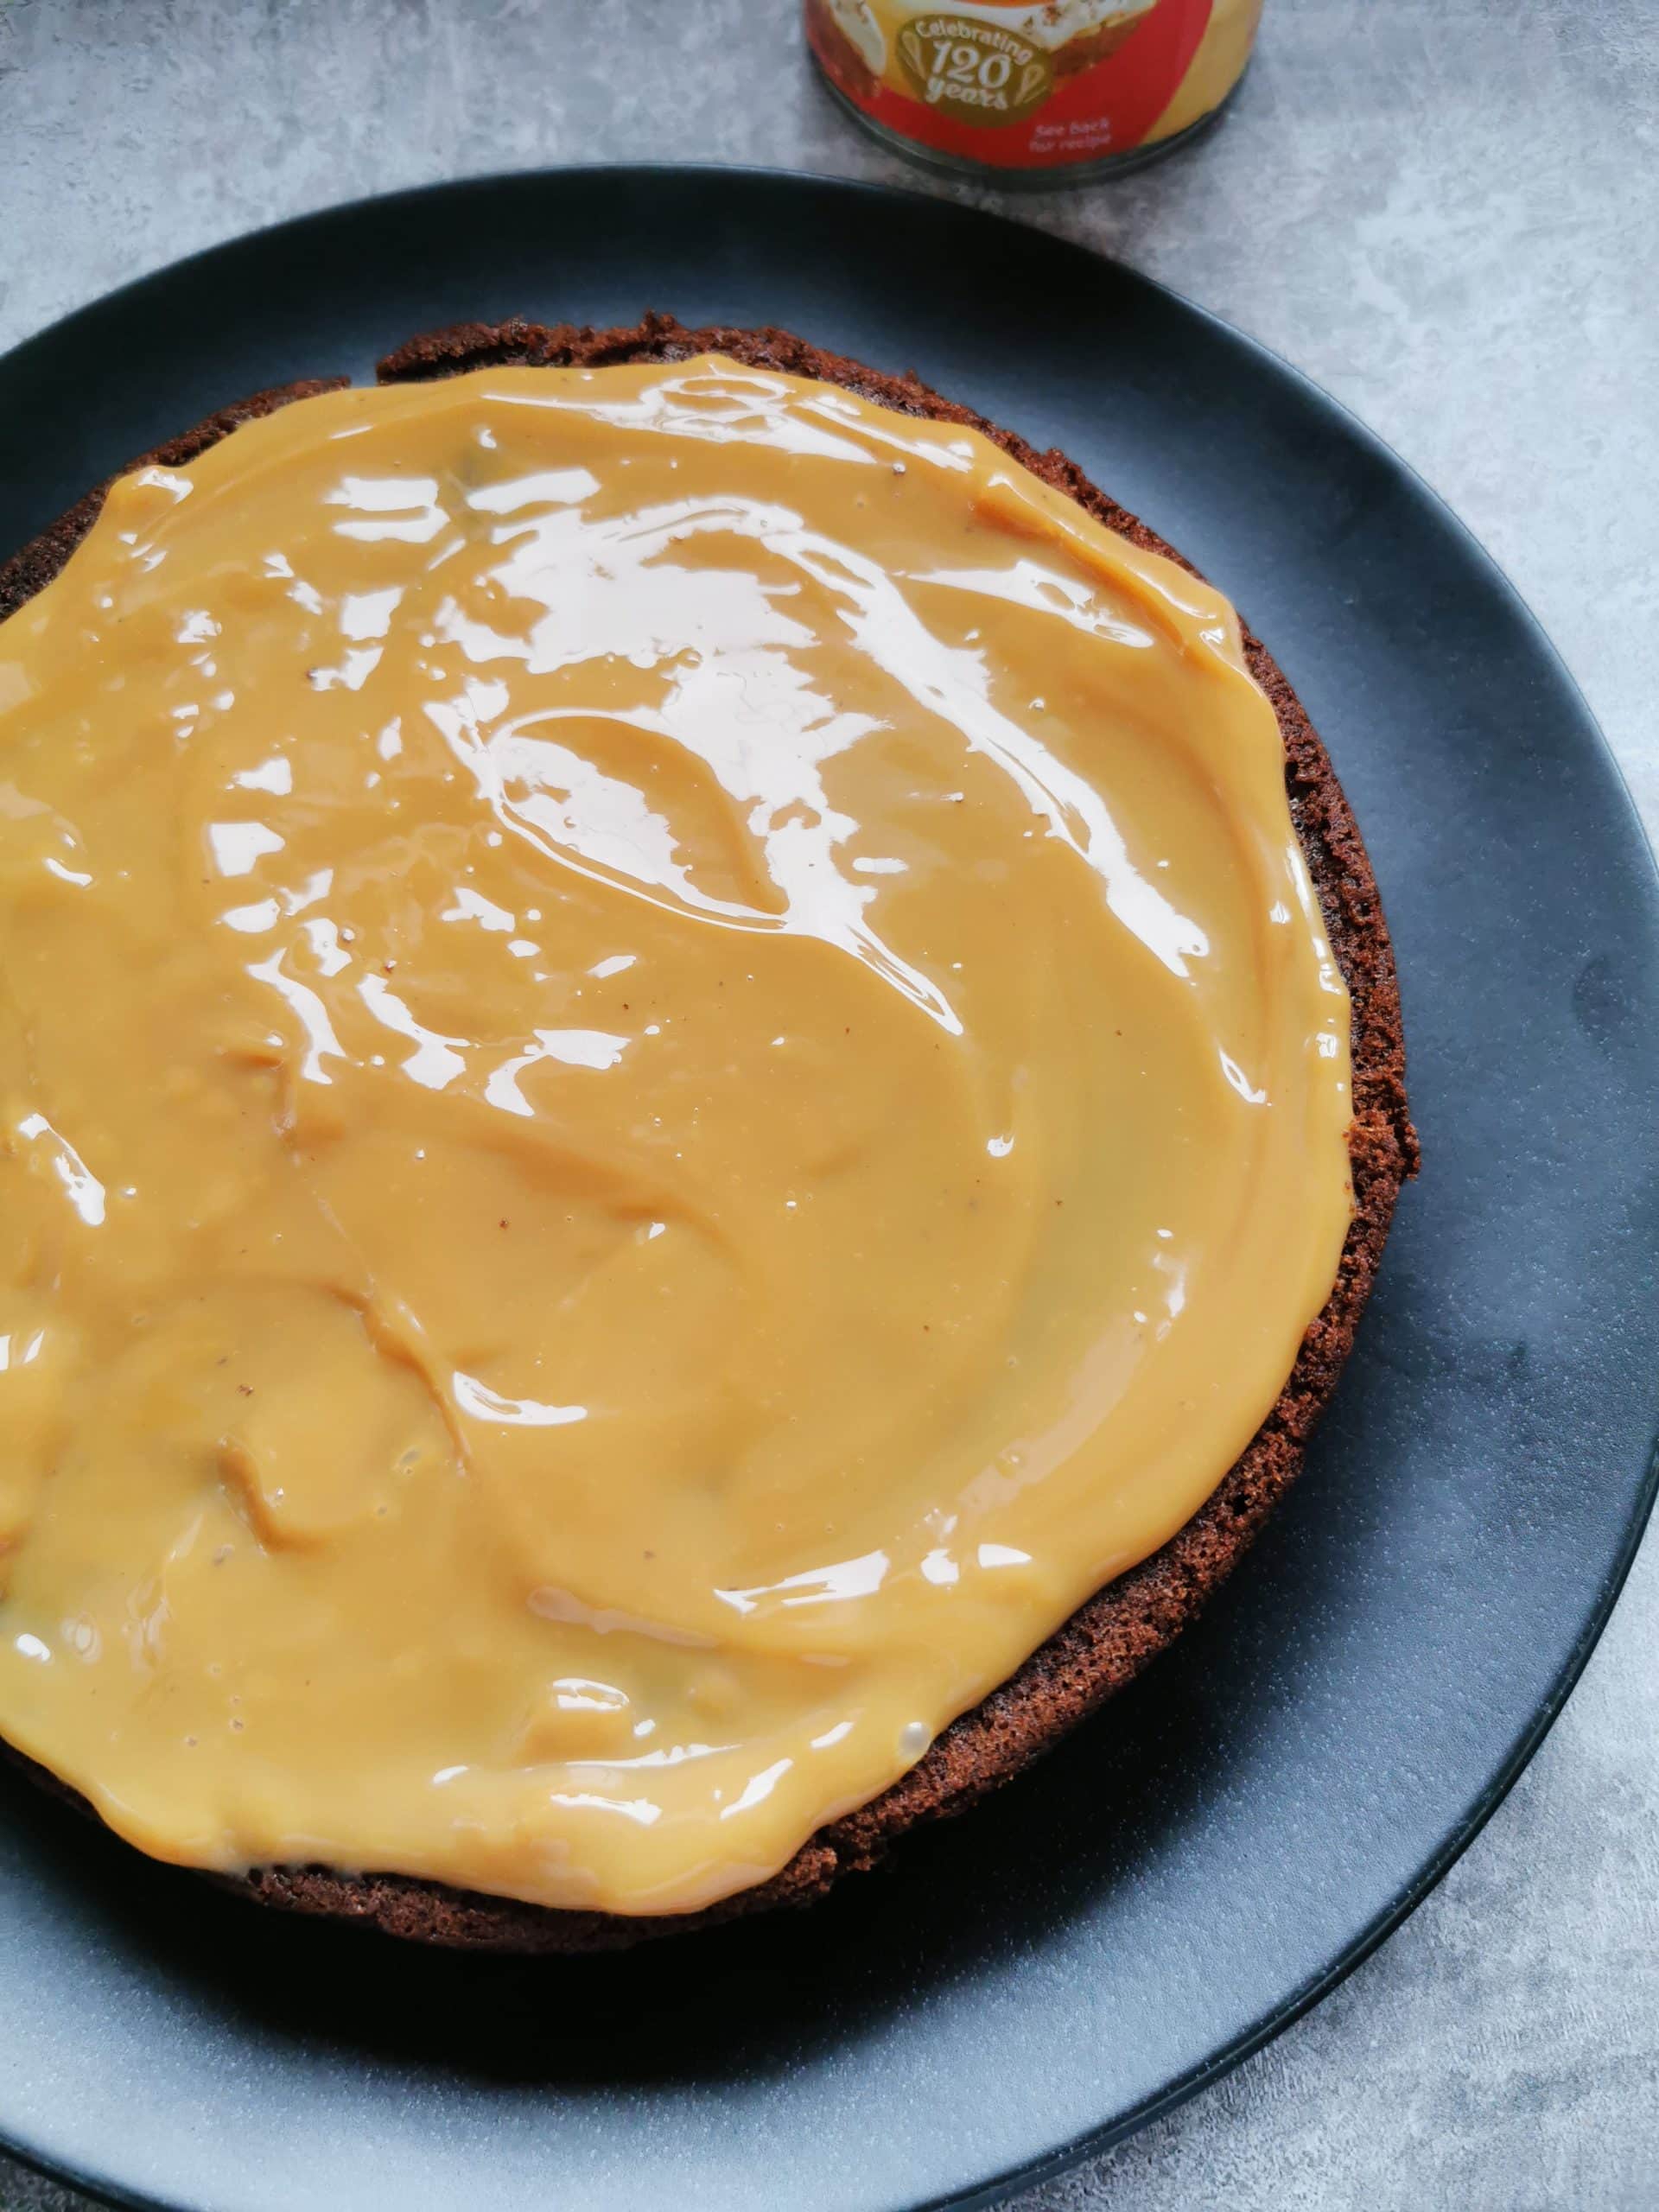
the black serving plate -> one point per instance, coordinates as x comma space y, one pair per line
1203, 1861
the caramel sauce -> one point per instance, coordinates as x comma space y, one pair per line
668, 1074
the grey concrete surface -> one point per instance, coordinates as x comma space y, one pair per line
1444, 210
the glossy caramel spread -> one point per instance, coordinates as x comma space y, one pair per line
667, 1075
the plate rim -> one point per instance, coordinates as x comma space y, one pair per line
1355, 430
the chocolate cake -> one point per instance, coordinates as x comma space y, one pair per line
1111, 1638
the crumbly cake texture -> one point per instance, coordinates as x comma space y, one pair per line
1111, 1638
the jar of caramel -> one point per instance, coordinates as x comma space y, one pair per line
1034, 92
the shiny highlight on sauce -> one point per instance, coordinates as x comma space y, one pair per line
668, 1074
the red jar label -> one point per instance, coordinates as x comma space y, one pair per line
1032, 84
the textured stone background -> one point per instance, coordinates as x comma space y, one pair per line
1444, 210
